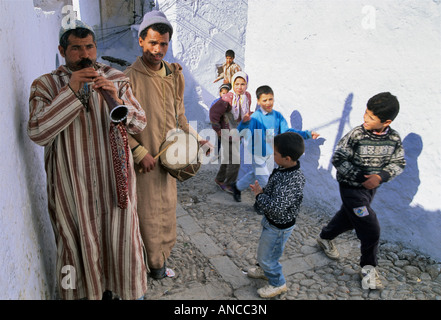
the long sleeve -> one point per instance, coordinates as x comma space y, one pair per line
221, 76
342, 159
397, 163
361, 153
306, 134
244, 125
53, 106
216, 113
50, 111
282, 197
136, 119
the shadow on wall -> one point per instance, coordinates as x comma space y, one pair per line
404, 222
321, 188
194, 95
400, 221
212, 23
34, 174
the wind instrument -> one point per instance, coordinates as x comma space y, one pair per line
118, 112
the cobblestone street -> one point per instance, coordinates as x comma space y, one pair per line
217, 243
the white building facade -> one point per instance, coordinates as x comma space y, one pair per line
323, 59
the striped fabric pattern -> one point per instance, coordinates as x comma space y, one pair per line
99, 246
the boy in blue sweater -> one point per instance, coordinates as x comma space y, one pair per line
262, 126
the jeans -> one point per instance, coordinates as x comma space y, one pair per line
271, 245
259, 172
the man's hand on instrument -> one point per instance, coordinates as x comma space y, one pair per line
82, 76
147, 163
102, 83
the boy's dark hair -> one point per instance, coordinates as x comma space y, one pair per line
264, 90
384, 105
78, 32
290, 144
225, 86
162, 28
230, 53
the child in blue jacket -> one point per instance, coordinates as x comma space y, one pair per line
261, 127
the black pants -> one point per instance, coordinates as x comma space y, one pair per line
356, 213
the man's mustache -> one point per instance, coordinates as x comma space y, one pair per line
84, 63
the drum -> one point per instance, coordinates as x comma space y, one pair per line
179, 155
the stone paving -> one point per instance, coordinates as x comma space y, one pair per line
217, 243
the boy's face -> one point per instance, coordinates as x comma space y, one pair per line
284, 162
223, 92
229, 60
373, 123
266, 101
240, 86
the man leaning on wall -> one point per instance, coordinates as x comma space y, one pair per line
90, 177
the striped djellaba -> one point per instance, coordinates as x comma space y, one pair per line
99, 246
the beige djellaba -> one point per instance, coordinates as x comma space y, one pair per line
162, 97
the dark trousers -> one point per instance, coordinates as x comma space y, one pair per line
230, 164
356, 213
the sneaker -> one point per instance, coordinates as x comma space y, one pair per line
236, 193
329, 248
256, 273
269, 291
162, 273
370, 279
170, 273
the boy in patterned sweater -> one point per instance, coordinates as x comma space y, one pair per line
366, 157
279, 203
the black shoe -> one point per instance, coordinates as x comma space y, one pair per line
158, 274
107, 295
236, 193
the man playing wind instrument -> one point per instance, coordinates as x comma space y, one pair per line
90, 177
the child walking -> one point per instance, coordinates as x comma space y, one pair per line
263, 125
223, 90
369, 155
225, 115
279, 203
